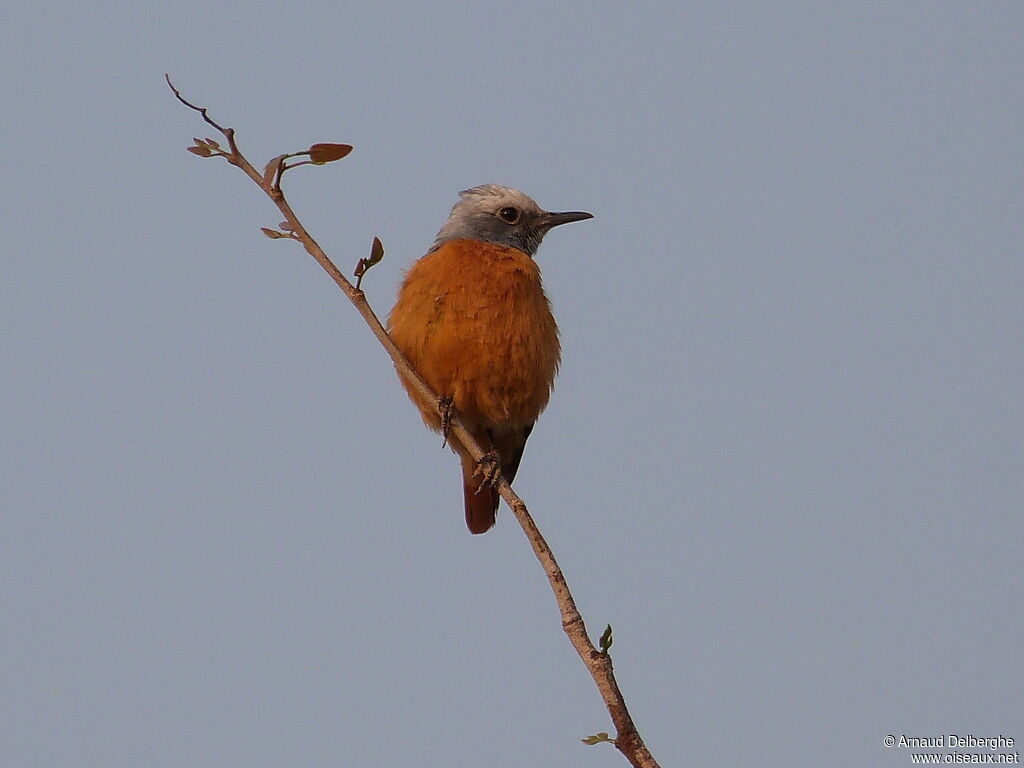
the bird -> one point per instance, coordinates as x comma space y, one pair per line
474, 322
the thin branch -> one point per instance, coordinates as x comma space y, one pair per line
229, 133
598, 663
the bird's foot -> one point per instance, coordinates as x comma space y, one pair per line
445, 407
489, 469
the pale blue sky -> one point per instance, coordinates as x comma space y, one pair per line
783, 457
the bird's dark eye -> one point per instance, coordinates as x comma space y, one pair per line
509, 214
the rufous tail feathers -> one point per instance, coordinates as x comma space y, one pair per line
481, 506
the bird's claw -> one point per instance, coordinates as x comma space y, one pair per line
444, 407
489, 469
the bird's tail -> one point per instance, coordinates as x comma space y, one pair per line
481, 506
482, 503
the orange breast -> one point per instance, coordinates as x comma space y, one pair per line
473, 320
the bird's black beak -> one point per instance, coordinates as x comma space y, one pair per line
565, 217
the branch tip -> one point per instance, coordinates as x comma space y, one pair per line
229, 133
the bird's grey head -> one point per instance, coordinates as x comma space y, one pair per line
501, 215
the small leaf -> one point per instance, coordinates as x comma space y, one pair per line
273, 234
363, 265
328, 153
606, 640
284, 225
270, 170
212, 144
376, 253
597, 738
201, 151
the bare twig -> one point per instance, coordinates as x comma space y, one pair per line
598, 662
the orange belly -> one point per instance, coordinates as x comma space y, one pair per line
473, 320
